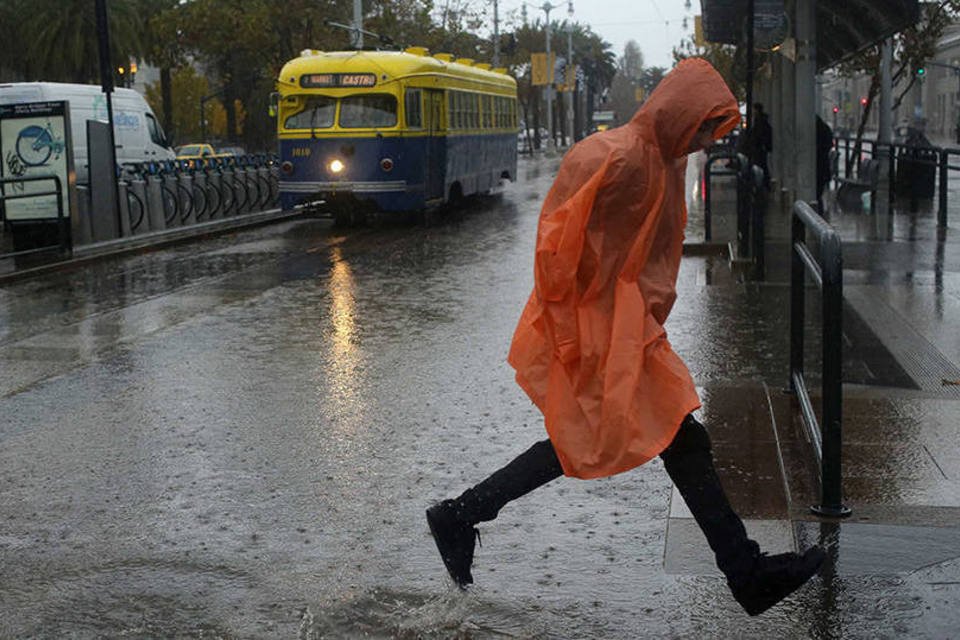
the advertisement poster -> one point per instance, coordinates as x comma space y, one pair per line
35, 141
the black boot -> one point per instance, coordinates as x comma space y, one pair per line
452, 521
773, 578
455, 540
757, 581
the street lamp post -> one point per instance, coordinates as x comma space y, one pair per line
496, 35
547, 7
570, 75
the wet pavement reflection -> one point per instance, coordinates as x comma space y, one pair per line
238, 437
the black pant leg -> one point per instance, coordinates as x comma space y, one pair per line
689, 462
533, 468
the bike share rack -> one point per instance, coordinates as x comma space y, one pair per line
157, 196
63, 230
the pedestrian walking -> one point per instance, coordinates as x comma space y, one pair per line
757, 143
590, 348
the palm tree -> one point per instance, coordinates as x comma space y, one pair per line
62, 37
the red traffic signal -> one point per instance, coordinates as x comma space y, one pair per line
836, 109
863, 102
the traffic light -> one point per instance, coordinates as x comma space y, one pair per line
836, 109
921, 71
863, 101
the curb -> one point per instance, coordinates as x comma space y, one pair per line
150, 241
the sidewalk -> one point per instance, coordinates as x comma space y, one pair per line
901, 402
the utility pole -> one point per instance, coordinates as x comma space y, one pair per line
570, 74
547, 7
106, 83
496, 36
358, 24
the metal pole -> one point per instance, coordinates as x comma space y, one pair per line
106, 81
797, 235
203, 121
750, 30
944, 168
358, 24
806, 156
832, 436
885, 133
707, 206
570, 75
496, 35
547, 7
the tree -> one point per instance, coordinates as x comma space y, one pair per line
651, 77
912, 48
630, 64
60, 38
161, 48
623, 89
189, 87
729, 62
591, 53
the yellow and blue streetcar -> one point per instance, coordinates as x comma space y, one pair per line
392, 130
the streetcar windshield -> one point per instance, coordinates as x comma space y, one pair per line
318, 113
376, 110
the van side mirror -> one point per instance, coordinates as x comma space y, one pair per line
274, 101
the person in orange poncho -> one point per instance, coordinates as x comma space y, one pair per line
591, 351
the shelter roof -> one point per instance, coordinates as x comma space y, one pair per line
844, 27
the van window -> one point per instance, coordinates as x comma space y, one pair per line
377, 110
318, 113
156, 133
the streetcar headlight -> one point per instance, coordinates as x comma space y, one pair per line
336, 166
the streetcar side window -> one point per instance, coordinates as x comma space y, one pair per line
458, 109
413, 109
318, 113
473, 110
368, 110
488, 112
460, 105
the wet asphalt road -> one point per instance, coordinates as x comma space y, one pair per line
237, 439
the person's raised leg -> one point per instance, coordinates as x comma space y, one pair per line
758, 581
452, 521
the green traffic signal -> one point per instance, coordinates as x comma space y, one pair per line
921, 72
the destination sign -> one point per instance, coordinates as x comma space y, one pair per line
318, 80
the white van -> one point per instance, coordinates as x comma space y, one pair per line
137, 132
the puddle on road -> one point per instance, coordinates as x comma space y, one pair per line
386, 613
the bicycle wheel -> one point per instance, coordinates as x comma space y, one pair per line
34, 145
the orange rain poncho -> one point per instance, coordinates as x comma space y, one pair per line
590, 348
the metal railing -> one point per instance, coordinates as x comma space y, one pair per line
827, 437
903, 156
736, 161
63, 231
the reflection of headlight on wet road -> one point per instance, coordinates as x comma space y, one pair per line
336, 166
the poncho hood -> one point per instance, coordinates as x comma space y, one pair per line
590, 348
692, 93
